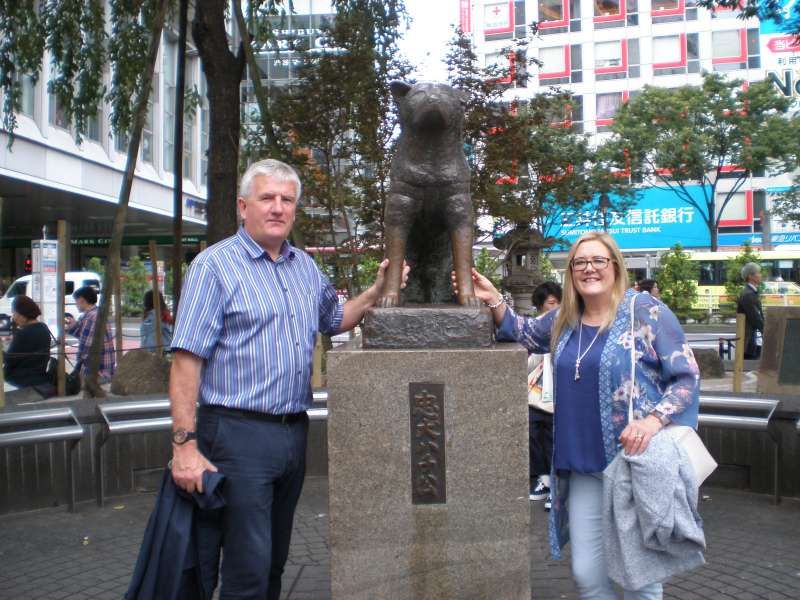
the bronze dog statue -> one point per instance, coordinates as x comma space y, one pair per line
429, 199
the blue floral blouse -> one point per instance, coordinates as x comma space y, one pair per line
667, 377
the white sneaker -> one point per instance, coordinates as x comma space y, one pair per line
540, 491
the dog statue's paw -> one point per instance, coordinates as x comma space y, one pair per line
389, 301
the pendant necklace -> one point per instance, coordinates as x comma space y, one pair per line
581, 355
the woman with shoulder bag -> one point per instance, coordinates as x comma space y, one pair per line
590, 340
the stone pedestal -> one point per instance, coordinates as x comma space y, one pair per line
460, 529
426, 327
779, 370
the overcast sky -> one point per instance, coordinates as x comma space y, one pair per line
425, 44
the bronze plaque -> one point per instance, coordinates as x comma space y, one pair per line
789, 373
428, 466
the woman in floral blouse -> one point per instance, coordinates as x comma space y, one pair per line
590, 339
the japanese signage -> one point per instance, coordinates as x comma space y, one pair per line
498, 17
44, 283
658, 219
780, 52
428, 467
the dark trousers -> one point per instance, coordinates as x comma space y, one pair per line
264, 464
540, 441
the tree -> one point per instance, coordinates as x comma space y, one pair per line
531, 166
134, 286
341, 141
223, 68
488, 266
690, 136
734, 284
677, 280
76, 38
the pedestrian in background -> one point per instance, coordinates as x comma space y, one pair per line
592, 389
147, 330
25, 360
651, 287
749, 304
83, 329
545, 298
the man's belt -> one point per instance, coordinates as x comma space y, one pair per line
249, 414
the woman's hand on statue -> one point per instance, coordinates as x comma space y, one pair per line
484, 290
637, 435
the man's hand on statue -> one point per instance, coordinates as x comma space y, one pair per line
377, 288
484, 290
188, 466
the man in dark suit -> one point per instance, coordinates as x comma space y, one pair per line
749, 304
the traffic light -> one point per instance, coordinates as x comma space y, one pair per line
28, 264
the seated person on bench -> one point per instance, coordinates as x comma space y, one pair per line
25, 361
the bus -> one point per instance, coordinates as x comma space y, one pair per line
780, 274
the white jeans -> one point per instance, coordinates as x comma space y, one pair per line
585, 505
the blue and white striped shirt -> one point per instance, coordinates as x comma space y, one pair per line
254, 321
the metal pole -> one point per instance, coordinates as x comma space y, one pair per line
63, 241
738, 357
156, 297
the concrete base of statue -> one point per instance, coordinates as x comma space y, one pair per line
428, 473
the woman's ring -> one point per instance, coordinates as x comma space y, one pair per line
639, 436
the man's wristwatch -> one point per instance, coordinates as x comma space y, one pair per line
180, 436
665, 420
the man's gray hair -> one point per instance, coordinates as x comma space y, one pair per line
274, 169
750, 269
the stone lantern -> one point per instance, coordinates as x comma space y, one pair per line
521, 273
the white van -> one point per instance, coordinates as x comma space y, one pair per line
73, 280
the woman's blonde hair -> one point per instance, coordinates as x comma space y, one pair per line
572, 304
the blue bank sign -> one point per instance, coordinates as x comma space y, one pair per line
658, 219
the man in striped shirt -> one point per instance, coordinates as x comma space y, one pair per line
244, 337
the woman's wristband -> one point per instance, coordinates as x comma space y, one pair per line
500, 302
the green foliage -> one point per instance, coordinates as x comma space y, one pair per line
677, 280
530, 168
74, 32
134, 285
489, 267
341, 141
734, 284
546, 269
679, 137
97, 265
367, 270
22, 38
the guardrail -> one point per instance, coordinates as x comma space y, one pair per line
749, 414
43, 426
144, 416
120, 418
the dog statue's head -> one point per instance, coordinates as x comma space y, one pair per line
429, 106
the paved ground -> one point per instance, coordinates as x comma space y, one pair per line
754, 551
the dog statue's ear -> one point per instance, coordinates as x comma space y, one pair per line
399, 89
